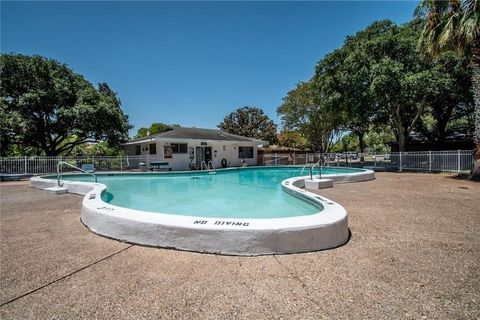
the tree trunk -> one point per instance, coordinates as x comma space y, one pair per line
441, 128
50, 151
402, 139
475, 173
361, 143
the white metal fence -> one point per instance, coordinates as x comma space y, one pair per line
44, 165
429, 161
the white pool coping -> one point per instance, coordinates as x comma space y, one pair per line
325, 229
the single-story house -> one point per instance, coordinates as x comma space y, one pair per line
186, 148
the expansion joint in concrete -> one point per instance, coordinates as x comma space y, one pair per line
65, 276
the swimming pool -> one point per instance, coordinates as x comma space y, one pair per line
240, 211
254, 193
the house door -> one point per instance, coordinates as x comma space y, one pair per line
203, 154
199, 155
208, 154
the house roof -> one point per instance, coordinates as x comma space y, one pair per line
198, 133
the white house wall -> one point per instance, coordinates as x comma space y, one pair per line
182, 161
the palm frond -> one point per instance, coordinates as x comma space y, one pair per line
453, 24
427, 7
471, 5
450, 33
470, 27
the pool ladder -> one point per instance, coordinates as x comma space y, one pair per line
208, 166
320, 163
306, 164
59, 166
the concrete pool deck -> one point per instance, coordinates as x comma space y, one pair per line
414, 253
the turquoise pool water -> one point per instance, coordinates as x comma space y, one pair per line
243, 193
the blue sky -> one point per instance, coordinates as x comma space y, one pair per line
190, 63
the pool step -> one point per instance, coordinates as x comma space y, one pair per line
318, 183
57, 190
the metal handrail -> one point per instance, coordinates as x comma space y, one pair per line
319, 165
211, 163
208, 165
60, 163
311, 167
306, 164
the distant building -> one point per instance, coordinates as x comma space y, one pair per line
186, 148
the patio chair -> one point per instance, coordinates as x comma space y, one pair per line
88, 167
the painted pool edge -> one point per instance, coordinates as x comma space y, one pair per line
323, 230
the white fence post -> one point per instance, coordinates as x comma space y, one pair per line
25, 166
430, 161
276, 159
400, 154
458, 161
294, 156
121, 163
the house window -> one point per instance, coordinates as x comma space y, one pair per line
167, 152
153, 148
179, 147
245, 152
138, 150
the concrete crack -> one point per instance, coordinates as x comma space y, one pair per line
65, 276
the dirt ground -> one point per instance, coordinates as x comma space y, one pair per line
414, 253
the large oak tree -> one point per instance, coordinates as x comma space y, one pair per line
250, 122
48, 108
304, 109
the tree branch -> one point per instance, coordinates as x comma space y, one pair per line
70, 145
418, 115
